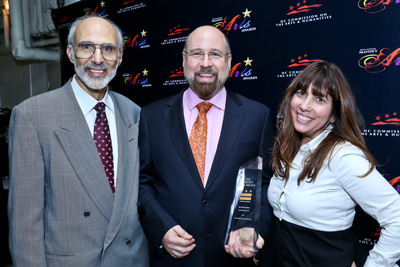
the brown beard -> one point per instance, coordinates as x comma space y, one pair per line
206, 90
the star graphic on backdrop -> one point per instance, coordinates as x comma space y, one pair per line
395, 114
102, 4
248, 61
378, 118
247, 13
145, 72
387, 116
143, 33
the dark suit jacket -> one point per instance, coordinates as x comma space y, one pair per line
171, 192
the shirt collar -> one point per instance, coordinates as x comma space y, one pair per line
86, 101
219, 100
312, 145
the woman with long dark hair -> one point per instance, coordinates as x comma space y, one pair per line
322, 170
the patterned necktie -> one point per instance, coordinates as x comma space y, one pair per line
198, 137
101, 135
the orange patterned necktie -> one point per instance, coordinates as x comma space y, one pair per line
198, 137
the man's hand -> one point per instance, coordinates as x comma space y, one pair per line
177, 242
240, 244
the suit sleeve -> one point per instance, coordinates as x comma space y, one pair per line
26, 196
155, 220
264, 151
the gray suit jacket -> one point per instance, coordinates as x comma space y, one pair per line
61, 208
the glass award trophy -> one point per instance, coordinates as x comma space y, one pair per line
245, 209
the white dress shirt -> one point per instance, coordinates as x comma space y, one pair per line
328, 203
86, 103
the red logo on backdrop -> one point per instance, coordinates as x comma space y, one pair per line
375, 63
387, 119
127, 2
299, 61
377, 232
176, 35
176, 73
302, 61
375, 6
178, 30
301, 7
64, 19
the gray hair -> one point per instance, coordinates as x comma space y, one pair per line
72, 30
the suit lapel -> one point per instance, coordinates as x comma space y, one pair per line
233, 120
176, 127
127, 173
78, 144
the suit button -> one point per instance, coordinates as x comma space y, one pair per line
205, 203
86, 214
202, 236
128, 242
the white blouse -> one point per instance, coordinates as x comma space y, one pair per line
328, 203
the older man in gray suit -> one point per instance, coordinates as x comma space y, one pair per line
68, 206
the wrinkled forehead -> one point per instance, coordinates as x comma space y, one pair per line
95, 30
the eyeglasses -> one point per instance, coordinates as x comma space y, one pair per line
86, 50
214, 56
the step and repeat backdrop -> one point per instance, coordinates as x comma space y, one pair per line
271, 42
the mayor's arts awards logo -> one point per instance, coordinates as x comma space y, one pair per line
138, 40
98, 10
140, 79
374, 61
243, 70
376, 6
241, 22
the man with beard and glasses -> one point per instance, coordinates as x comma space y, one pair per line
188, 175
74, 164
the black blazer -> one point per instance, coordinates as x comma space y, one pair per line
171, 192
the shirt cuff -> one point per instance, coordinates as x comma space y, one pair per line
369, 263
